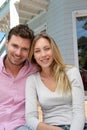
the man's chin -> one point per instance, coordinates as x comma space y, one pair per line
18, 64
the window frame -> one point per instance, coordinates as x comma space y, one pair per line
75, 14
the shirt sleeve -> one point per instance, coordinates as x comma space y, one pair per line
78, 106
31, 106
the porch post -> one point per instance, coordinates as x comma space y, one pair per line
14, 13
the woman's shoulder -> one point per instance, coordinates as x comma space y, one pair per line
33, 76
71, 69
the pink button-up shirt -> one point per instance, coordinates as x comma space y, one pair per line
12, 97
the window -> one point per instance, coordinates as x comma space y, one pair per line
80, 43
41, 29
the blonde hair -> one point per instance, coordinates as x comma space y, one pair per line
58, 68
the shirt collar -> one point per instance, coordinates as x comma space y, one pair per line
2, 66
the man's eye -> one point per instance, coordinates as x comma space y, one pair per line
25, 49
15, 46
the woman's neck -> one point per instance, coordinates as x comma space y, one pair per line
46, 73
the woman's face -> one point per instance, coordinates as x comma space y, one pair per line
43, 53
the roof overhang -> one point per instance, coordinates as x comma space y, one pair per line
28, 10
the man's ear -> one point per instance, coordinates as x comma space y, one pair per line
6, 43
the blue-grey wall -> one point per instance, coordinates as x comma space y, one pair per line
59, 24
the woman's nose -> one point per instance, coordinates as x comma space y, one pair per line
43, 53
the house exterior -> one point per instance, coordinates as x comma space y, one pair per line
63, 22
66, 22
60, 23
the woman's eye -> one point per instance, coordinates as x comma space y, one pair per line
46, 48
36, 51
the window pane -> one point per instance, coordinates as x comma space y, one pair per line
81, 24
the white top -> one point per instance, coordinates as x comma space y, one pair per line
57, 109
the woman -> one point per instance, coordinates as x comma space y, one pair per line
57, 87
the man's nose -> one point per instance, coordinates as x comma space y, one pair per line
18, 52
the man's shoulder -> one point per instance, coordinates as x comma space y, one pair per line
1, 61
1, 58
30, 68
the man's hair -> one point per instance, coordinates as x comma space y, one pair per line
21, 30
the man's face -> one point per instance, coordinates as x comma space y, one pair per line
17, 50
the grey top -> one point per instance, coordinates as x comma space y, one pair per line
57, 109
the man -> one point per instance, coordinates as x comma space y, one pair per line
14, 69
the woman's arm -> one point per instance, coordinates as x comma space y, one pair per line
32, 118
43, 126
77, 100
